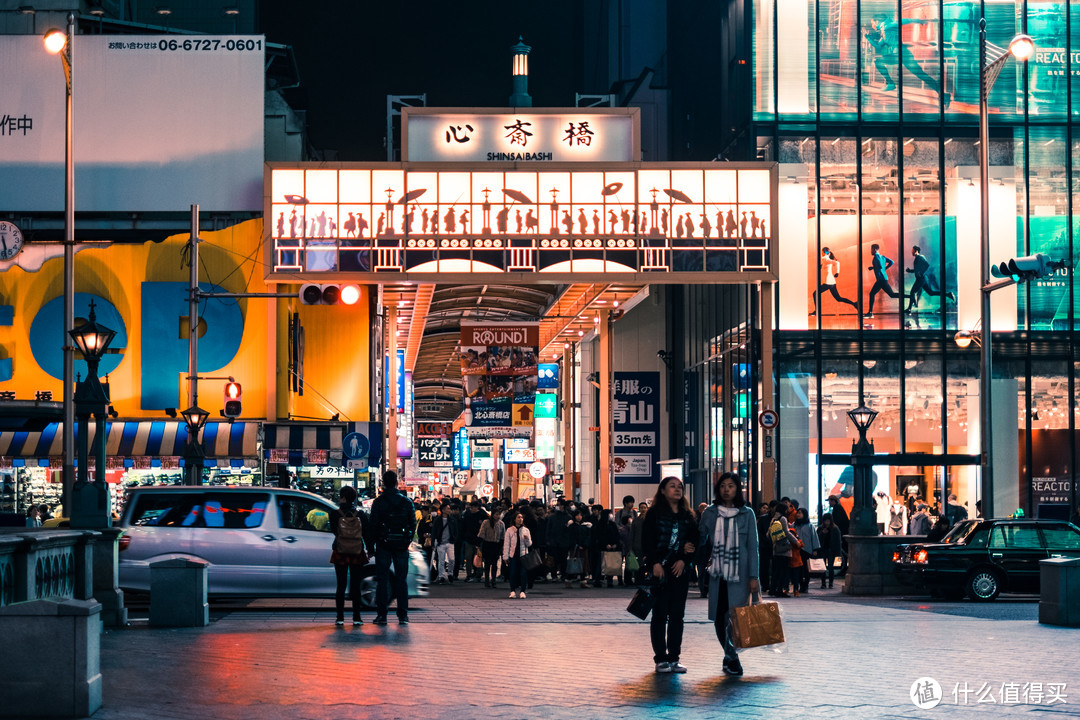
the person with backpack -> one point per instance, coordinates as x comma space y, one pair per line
394, 521
783, 541
347, 554
445, 532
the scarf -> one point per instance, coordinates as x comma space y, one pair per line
725, 554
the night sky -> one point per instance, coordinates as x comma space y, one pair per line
352, 54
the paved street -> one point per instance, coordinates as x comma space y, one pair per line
471, 652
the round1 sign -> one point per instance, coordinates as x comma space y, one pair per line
769, 419
538, 470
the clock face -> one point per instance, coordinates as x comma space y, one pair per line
11, 240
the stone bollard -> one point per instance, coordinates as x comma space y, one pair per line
53, 667
1059, 596
178, 593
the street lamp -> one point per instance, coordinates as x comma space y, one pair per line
90, 499
520, 96
992, 59
195, 417
863, 515
57, 42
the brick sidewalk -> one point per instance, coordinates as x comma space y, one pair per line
566, 657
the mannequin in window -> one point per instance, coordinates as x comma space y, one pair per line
898, 519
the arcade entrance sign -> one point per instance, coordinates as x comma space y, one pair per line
528, 222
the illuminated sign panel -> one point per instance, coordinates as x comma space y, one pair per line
535, 135
670, 223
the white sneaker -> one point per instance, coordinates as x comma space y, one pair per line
513, 594
676, 668
663, 667
522, 596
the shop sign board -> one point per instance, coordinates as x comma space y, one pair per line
545, 429
434, 452
501, 137
548, 376
636, 427
546, 405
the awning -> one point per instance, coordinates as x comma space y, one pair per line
304, 443
138, 438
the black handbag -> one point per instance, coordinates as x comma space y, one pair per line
532, 560
642, 603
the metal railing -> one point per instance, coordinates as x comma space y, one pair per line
40, 563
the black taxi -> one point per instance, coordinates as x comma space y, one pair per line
983, 558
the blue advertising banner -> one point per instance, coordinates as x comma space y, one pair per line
548, 376
636, 427
400, 380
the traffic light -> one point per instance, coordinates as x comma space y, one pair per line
1032, 267
315, 294
233, 403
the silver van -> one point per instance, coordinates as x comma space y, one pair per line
259, 542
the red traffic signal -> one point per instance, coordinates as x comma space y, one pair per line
233, 404
316, 294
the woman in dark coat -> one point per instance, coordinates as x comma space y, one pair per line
605, 536
728, 546
831, 546
347, 563
668, 539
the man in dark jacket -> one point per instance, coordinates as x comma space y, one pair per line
470, 529
393, 522
840, 518
445, 531
558, 536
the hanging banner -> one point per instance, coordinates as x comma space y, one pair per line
636, 426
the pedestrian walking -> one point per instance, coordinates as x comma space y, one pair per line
393, 521
470, 530
605, 538
348, 554
831, 547
636, 546
783, 542
810, 546
516, 544
492, 531
668, 539
445, 531
728, 544
558, 536
579, 532
842, 521
423, 534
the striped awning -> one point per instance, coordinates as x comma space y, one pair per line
136, 438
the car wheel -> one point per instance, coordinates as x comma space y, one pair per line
368, 587
983, 585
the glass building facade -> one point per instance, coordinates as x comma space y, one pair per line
871, 110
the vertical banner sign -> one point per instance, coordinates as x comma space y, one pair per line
636, 426
544, 427
499, 372
405, 424
400, 380
461, 449
433, 444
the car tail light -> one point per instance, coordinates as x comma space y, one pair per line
896, 556
124, 541
920, 556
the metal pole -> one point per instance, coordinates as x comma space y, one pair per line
986, 484
605, 478
193, 471
68, 471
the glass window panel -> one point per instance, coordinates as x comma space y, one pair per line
828, 264
840, 393
880, 249
881, 39
922, 404
921, 66
796, 73
1047, 87
1074, 48
764, 53
840, 39
881, 390
962, 412
1047, 301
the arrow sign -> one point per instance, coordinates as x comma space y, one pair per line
523, 415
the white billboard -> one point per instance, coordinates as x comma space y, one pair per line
159, 122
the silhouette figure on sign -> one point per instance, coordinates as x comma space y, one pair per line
382, 220
583, 222
423, 220
322, 224
449, 222
568, 222
500, 219
625, 215
689, 226
755, 224
679, 228
361, 225
742, 226
613, 220
281, 224
350, 226
706, 226
730, 226
596, 222
409, 217
664, 221
532, 223
463, 220
292, 224
333, 227
517, 220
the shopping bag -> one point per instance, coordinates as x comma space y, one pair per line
574, 566
632, 564
478, 560
756, 625
817, 566
642, 603
532, 560
611, 563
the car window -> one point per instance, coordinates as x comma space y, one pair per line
165, 509
298, 513
1061, 537
234, 510
978, 538
1015, 536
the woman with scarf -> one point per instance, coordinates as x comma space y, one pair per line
667, 539
728, 545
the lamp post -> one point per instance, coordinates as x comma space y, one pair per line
195, 417
520, 90
863, 516
992, 59
90, 498
57, 42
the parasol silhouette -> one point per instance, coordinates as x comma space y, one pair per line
296, 200
611, 188
411, 195
678, 195
517, 195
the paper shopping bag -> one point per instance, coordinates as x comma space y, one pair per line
756, 625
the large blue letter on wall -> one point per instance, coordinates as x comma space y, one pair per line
165, 352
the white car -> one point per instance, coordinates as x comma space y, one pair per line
259, 542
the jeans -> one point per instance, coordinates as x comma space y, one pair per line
780, 574
444, 560
491, 561
519, 576
347, 574
830, 571
722, 624
469, 551
666, 629
400, 560
804, 572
